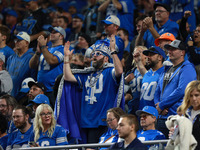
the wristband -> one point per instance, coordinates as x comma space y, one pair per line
66, 62
42, 47
114, 52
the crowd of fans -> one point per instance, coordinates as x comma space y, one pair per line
99, 71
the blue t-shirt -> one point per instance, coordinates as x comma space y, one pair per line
169, 26
149, 84
18, 139
58, 137
98, 95
6, 51
18, 68
48, 73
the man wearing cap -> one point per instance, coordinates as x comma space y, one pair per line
163, 25
35, 89
111, 24
124, 10
99, 87
35, 22
49, 61
6, 84
11, 19
155, 57
172, 82
4, 37
148, 116
17, 64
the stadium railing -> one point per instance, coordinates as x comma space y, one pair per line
161, 144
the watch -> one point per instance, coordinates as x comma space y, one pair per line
114, 52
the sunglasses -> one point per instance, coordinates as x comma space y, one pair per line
97, 53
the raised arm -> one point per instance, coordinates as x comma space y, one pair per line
68, 76
116, 61
117, 4
34, 61
49, 57
104, 6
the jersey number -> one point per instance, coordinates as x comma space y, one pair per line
148, 91
29, 24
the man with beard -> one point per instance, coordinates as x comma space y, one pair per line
172, 83
148, 116
100, 87
49, 61
20, 137
155, 57
7, 104
127, 129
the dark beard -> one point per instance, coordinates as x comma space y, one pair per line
98, 64
22, 125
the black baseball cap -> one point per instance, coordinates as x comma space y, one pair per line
167, 7
38, 84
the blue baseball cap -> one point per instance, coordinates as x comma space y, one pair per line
41, 99
80, 16
12, 13
156, 50
149, 110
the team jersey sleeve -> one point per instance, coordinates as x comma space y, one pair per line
61, 138
59, 54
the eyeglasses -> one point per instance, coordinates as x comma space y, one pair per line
160, 11
46, 114
143, 116
97, 53
110, 120
3, 106
198, 31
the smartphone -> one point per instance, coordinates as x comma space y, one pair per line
176, 131
32, 143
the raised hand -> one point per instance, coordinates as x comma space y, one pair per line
112, 43
67, 52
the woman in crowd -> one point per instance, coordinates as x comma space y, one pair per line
191, 108
46, 132
111, 136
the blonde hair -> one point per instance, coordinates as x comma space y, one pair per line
186, 100
38, 121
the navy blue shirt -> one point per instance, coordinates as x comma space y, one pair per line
134, 145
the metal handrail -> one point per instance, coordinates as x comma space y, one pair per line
83, 146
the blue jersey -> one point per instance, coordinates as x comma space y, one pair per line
135, 86
58, 137
3, 141
149, 84
126, 16
111, 136
11, 127
169, 26
18, 68
149, 135
18, 139
48, 73
6, 51
178, 7
98, 95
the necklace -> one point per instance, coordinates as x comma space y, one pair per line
93, 80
